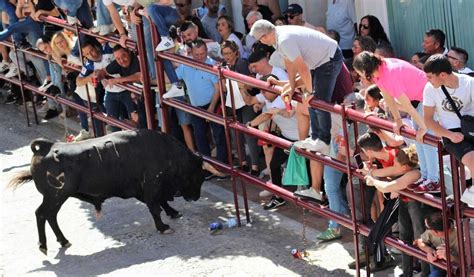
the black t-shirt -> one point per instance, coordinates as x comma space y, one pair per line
115, 68
45, 5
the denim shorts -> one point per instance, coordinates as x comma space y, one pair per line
184, 118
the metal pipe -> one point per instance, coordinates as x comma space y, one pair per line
228, 145
145, 76
351, 190
444, 208
457, 215
155, 38
22, 90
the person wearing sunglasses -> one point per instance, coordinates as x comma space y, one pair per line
371, 26
294, 15
458, 59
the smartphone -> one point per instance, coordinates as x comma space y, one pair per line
360, 163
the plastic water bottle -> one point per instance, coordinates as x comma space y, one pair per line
230, 223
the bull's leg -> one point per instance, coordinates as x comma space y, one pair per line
169, 210
53, 222
40, 222
155, 211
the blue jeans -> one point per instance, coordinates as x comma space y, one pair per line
436, 272
163, 17
56, 78
200, 136
22, 28
103, 15
427, 154
324, 80
83, 116
113, 103
150, 52
334, 191
9, 9
79, 9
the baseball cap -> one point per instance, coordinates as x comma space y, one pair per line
293, 9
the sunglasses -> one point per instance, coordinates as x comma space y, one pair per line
451, 57
291, 16
364, 26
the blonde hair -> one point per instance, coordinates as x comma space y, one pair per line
408, 156
59, 52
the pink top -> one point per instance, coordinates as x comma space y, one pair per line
397, 77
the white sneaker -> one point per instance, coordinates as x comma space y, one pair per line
103, 29
12, 71
265, 193
44, 108
46, 84
468, 198
83, 135
174, 91
165, 44
313, 145
4, 66
309, 193
72, 20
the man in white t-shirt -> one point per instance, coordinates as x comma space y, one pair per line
461, 89
288, 124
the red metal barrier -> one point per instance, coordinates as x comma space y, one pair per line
230, 124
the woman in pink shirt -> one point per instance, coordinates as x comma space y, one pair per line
402, 86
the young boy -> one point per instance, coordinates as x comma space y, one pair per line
433, 243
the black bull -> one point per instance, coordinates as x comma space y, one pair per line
151, 166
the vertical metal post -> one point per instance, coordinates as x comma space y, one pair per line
145, 76
160, 77
22, 89
89, 105
466, 234
229, 143
455, 165
238, 145
362, 195
444, 211
355, 228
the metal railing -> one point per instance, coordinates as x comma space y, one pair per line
458, 211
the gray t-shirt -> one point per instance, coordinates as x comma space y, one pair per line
209, 23
313, 46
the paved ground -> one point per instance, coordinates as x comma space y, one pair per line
125, 242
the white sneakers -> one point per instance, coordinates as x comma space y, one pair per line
4, 66
468, 197
165, 44
72, 20
313, 145
12, 71
174, 91
309, 193
46, 84
104, 29
83, 135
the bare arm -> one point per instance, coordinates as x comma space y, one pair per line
82, 81
260, 119
428, 112
388, 171
305, 74
274, 7
116, 19
215, 98
408, 107
395, 185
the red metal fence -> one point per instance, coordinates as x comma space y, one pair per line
458, 211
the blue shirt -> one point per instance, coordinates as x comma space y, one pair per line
200, 84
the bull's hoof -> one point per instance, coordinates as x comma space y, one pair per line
66, 244
175, 215
167, 231
43, 249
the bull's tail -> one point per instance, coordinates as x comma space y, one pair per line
41, 146
19, 179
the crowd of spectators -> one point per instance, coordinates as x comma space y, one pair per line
344, 62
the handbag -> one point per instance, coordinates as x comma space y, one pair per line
295, 172
467, 121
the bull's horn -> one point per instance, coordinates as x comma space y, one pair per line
207, 166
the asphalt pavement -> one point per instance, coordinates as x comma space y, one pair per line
125, 242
